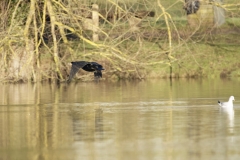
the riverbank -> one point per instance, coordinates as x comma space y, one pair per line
143, 54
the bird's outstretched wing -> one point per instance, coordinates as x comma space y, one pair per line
75, 67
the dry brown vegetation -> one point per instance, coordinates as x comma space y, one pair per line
40, 37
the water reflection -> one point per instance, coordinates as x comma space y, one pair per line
120, 120
229, 117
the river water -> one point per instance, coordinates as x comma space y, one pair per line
135, 120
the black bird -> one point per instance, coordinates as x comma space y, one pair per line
87, 66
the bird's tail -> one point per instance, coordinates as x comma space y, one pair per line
219, 102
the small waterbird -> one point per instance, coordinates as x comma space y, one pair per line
227, 105
87, 66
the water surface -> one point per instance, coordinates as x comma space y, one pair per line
150, 119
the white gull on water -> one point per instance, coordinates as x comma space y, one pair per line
227, 105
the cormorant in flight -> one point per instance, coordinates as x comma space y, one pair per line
87, 66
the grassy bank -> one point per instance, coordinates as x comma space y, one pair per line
201, 60
210, 59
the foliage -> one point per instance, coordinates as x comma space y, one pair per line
40, 37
